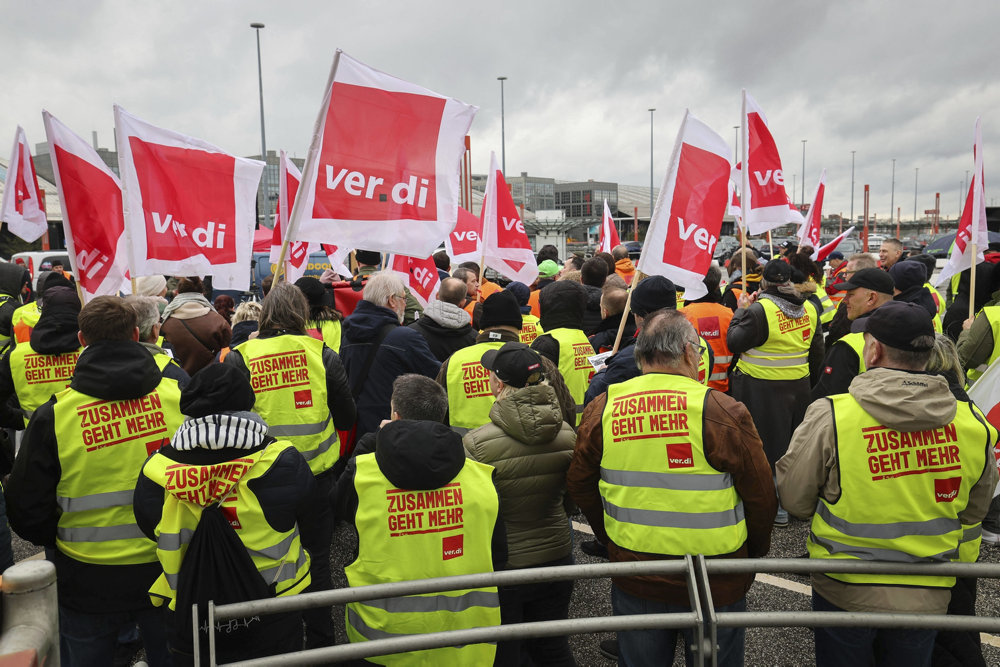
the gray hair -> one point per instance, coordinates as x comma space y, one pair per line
863, 260
285, 308
148, 312
381, 287
418, 397
664, 336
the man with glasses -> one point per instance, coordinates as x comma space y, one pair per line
665, 466
840, 325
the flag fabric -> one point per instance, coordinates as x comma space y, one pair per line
507, 248
809, 232
609, 233
297, 253
687, 218
190, 208
734, 201
985, 393
464, 243
824, 252
420, 275
766, 204
972, 225
337, 256
382, 171
22, 207
90, 196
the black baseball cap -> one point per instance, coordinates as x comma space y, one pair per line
900, 325
876, 280
777, 271
515, 364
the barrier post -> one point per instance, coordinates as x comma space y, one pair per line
31, 611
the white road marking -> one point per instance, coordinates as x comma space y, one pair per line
793, 586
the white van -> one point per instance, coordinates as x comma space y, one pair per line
37, 261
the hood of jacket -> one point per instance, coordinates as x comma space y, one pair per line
807, 289
242, 331
187, 306
790, 304
918, 294
56, 331
564, 304
115, 371
530, 415
447, 316
624, 266
418, 455
365, 322
905, 400
593, 297
12, 277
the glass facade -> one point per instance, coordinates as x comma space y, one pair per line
533, 193
586, 200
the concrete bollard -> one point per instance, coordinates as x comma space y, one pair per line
30, 611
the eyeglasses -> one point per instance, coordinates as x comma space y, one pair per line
698, 346
399, 296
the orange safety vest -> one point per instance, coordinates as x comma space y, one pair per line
711, 321
486, 288
533, 303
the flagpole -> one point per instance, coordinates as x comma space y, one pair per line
972, 278
977, 207
745, 190
621, 325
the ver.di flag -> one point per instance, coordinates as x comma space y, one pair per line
297, 253
464, 244
825, 251
972, 225
809, 232
609, 233
382, 171
420, 275
22, 207
190, 208
90, 196
687, 218
507, 249
765, 202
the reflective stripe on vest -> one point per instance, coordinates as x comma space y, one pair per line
38, 376
278, 556
711, 321
289, 380
992, 315
574, 348
901, 492
23, 321
469, 395
856, 341
660, 494
785, 353
101, 444
530, 329
443, 532
829, 307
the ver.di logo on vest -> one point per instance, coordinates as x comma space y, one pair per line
452, 546
303, 399
679, 455
946, 490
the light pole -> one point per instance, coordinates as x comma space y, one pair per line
852, 186
503, 135
736, 143
916, 177
651, 165
892, 195
803, 203
263, 143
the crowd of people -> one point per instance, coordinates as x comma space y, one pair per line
174, 449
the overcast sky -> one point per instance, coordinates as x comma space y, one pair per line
897, 79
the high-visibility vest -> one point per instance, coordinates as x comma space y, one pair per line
829, 307
856, 341
574, 348
38, 376
785, 353
992, 315
711, 321
673, 504
277, 555
469, 395
533, 303
530, 329
289, 380
23, 321
442, 532
938, 299
487, 288
101, 445
901, 492
327, 331
5, 340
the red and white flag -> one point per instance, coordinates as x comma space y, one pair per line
420, 275
687, 218
190, 208
609, 233
337, 256
382, 171
507, 249
824, 252
464, 244
809, 232
297, 253
765, 202
22, 207
90, 196
972, 226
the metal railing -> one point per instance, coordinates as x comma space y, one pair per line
703, 620
30, 612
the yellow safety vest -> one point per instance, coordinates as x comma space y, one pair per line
704, 369
901, 493
23, 321
469, 395
164, 360
856, 341
101, 445
785, 353
430, 528
938, 299
574, 348
530, 329
829, 307
38, 376
660, 493
289, 381
992, 315
327, 331
278, 556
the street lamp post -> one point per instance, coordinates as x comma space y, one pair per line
503, 133
263, 143
803, 203
651, 165
852, 186
892, 195
916, 177
736, 143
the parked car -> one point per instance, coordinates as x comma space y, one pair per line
39, 261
